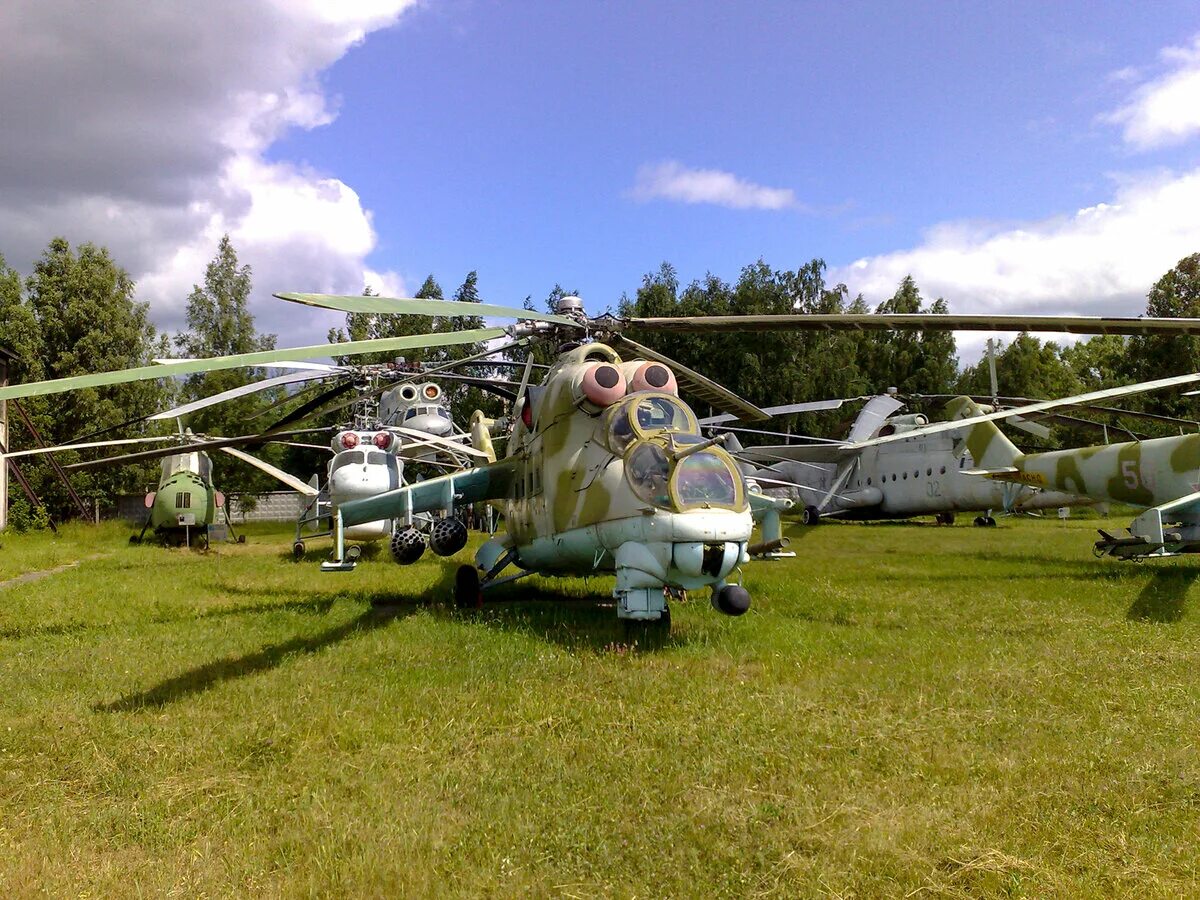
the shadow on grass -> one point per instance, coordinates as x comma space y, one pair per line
17, 634
1162, 599
200, 679
568, 621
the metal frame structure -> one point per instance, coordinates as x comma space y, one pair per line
6, 357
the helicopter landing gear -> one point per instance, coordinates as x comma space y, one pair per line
467, 591
353, 553
811, 516
648, 632
985, 522
944, 518
298, 551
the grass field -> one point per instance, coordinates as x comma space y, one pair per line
906, 710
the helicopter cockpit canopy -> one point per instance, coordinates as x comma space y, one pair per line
648, 429
196, 463
644, 414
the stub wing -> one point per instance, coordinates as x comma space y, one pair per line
1167, 530
493, 481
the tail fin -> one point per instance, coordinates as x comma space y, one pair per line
988, 447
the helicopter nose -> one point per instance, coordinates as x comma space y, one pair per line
716, 560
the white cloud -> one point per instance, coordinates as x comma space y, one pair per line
144, 127
1166, 109
671, 180
1100, 261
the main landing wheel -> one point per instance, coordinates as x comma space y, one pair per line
946, 518
985, 522
810, 516
298, 550
467, 592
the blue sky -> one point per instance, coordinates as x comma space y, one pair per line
1013, 157
508, 138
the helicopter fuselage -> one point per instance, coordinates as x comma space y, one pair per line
609, 476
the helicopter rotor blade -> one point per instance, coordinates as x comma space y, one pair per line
260, 358
416, 307
242, 391
196, 446
913, 322
785, 410
174, 438
705, 388
436, 441
291, 481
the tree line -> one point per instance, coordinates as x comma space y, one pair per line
76, 313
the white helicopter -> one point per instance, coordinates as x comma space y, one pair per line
856, 479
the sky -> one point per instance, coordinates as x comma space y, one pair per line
1011, 157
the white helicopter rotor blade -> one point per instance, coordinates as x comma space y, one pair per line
422, 439
285, 364
786, 409
90, 446
233, 393
1079, 399
291, 481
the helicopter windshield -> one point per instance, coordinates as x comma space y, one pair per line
649, 470
181, 462
644, 414
704, 478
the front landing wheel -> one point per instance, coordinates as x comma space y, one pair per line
810, 516
467, 592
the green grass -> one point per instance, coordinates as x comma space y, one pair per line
906, 709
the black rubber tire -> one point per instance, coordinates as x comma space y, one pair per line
980, 521
811, 516
467, 592
298, 551
989, 522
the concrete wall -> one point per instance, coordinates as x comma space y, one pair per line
277, 506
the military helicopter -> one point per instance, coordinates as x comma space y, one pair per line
392, 420
186, 501
605, 468
922, 476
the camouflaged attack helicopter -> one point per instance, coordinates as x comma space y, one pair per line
605, 468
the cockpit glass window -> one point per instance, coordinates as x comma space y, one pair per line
411, 414
645, 415
649, 471
654, 413
204, 467
619, 430
377, 458
349, 458
445, 414
182, 462
705, 478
